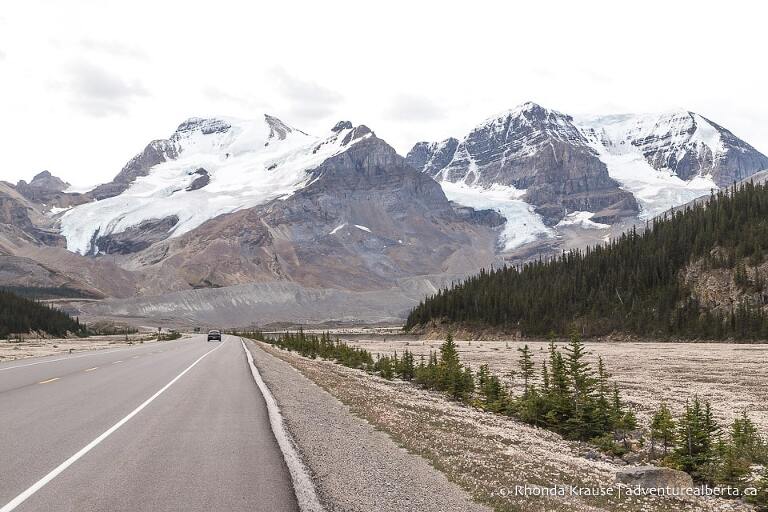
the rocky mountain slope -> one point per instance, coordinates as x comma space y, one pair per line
545, 171
364, 220
539, 151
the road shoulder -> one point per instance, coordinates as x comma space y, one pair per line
354, 466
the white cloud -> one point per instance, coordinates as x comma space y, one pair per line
413, 71
99, 92
113, 48
409, 107
306, 99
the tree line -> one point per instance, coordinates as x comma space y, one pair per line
632, 284
19, 315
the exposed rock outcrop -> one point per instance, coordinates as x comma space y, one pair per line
136, 238
202, 180
654, 477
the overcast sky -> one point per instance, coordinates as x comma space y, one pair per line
84, 85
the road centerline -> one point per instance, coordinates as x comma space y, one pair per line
49, 380
21, 498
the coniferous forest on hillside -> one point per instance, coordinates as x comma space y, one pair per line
632, 284
19, 315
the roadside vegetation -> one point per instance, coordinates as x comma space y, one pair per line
632, 284
20, 316
574, 398
108, 328
169, 336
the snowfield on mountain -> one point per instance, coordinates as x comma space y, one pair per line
247, 164
539, 168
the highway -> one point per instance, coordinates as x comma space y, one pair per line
173, 426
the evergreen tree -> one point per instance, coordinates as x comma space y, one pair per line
527, 369
697, 432
761, 485
602, 402
662, 430
747, 441
582, 423
407, 369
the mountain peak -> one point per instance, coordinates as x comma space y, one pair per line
342, 125
45, 181
205, 125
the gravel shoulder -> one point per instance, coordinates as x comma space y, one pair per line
355, 466
380, 445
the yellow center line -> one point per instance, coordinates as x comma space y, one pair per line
49, 380
91, 369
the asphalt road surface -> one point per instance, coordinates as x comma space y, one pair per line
175, 426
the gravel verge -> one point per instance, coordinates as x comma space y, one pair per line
355, 467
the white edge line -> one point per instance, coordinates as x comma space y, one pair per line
21, 498
302, 483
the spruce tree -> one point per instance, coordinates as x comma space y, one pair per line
662, 429
527, 367
582, 423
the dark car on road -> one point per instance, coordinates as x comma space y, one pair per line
214, 334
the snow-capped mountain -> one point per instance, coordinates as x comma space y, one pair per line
682, 142
226, 202
208, 167
671, 158
532, 164
541, 169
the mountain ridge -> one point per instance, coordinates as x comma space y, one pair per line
228, 202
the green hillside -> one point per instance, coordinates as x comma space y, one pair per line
20, 315
633, 284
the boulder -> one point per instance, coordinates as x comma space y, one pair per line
656, 477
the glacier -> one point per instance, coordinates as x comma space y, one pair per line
249, 163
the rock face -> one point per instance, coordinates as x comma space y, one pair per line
156, 152
21, 220
653, 477
49, 190
202, 180
432, 157
535, 149
136, 238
